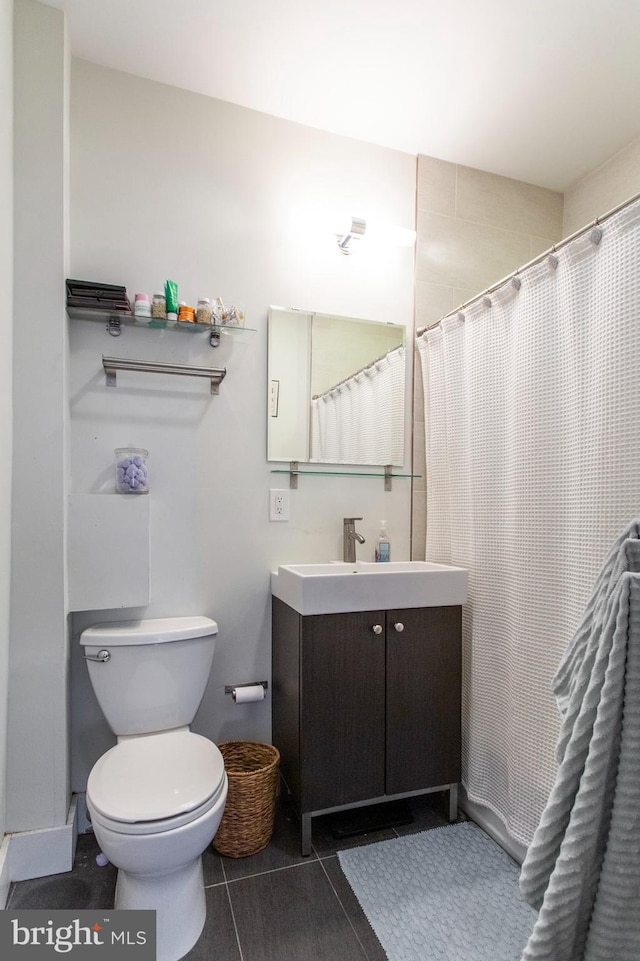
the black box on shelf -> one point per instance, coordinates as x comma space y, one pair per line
97, 296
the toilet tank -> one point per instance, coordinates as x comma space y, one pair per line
156, 672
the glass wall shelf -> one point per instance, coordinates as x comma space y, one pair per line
114, 321
294, 472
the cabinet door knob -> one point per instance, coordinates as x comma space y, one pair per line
377, 628
399, 627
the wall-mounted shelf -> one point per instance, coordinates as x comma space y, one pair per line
111, 364
294, 472
115, 321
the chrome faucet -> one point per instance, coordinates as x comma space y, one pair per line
349, 538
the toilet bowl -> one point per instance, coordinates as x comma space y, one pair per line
131, 792
156, 799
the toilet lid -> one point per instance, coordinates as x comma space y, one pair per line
156, 776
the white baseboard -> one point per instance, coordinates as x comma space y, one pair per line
35, 854
5, 880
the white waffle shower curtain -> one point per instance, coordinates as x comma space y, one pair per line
532, 413
361, 421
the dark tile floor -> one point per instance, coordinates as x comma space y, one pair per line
270, 906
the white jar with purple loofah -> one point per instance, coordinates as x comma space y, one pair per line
132, 472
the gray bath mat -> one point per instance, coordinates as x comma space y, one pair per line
450, 894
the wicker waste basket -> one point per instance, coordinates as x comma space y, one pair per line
247, 823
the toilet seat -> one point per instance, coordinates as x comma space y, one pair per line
156, 782
141, 828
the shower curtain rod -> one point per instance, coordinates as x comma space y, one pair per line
536, 260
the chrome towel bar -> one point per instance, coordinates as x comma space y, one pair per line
111, 364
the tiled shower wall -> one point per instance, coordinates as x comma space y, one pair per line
601, 189
473, 229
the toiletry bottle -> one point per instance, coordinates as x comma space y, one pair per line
171, 299
203, 311
383, 545
159, 307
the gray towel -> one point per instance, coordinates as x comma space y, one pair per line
583, 866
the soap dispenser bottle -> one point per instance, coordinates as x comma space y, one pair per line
383, 545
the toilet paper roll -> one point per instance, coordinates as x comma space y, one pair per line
251, 692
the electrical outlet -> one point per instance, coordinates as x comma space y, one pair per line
278, 505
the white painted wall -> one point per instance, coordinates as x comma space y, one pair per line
168, 183
6, 401
37, 769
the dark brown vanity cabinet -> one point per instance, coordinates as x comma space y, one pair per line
366, 706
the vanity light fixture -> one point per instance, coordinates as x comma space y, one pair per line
349, 230
357, 228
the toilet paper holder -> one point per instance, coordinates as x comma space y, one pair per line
232, 688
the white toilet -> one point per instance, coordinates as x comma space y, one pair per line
156, 798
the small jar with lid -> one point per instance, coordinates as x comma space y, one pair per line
142, 307
203, 311
159, 307
186, 314
158, 311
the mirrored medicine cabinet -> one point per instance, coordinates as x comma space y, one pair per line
336, 389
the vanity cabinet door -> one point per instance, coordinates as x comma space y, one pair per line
342, 709
423, 698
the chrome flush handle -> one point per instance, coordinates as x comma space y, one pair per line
102, 657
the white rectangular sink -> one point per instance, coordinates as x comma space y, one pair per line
338, 588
